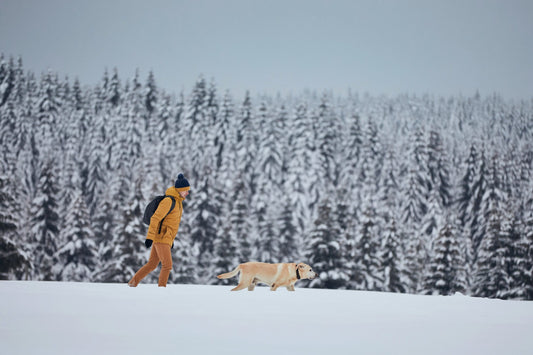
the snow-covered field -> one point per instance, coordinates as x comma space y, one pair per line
85, 318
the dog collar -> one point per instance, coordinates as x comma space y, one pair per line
297, 273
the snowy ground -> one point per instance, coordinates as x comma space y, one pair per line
83, 318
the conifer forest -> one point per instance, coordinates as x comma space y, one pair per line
413, 194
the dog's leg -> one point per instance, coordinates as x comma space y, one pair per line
244, 282
274, 287
252, 286
290, 288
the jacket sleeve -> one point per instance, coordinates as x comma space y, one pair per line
159, 214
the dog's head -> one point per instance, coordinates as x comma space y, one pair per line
306, 272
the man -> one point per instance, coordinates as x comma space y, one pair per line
163, 238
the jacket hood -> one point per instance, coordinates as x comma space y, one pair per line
171, 191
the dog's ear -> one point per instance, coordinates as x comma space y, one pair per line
301, 266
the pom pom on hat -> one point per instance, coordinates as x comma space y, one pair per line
182, 184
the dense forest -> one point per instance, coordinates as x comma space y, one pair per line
417, 194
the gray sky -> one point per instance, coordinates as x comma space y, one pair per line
441, 47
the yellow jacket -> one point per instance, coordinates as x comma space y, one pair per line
171, 223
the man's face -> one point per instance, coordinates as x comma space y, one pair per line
184, 194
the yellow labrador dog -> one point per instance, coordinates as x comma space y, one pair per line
274, 275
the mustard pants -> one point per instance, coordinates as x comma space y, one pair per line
160, 253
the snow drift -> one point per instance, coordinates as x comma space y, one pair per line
89, 318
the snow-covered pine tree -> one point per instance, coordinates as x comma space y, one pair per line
223, 137
466, 186
415, 185
164, 132
121, 257
368, 252
266, 245
48, 111
12, 256
240, 222
393, 269
94, 172
270, 153
184, 262
438, 168
514, 248
490, 275
194, 127
226, 254
45, 224
299, 163
114, 92
150, 98
475, 215
204, 217
328, 137
528, 246
324, 253
445, 274
7, 79
432, 221
290, 241
246, 147
76, 258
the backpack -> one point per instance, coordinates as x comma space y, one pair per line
152, 207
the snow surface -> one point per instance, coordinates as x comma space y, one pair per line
90, 318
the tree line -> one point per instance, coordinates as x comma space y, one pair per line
417, 194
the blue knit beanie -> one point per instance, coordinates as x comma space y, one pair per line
182, 184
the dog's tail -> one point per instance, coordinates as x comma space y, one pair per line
230, 274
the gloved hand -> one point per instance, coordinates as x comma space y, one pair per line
148, 243
172, 247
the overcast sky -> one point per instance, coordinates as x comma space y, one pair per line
441, 47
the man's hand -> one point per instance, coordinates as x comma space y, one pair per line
148, 243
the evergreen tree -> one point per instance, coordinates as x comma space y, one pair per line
226, 256
438, 168
195, 128
94, 170
151, 94
205, 216
125, 253
271, 159
490, 277
223, 140
415, 188
12, 257
391, 256
77, 256
325, 251
368, 258
475, 219
526, 244
240, 223
289, 239
267, 246
300, 159
246, 148
48, 109
327, 143
45, 223
114, 95
514, 248
184, 261
7, 79
467, 185
446, 272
